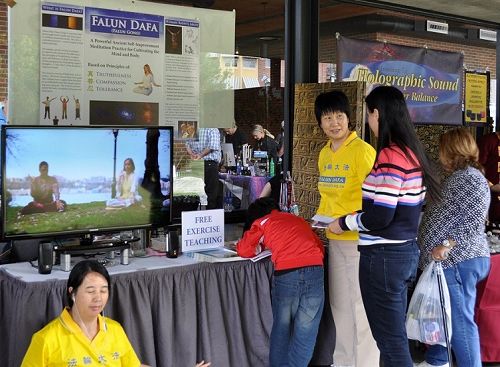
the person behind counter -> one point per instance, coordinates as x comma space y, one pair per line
208, 148
298, 286
265, 142
236, 137
458, 218
81, 335
340, 190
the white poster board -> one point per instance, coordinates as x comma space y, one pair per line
202, 230
112, 67
54, 61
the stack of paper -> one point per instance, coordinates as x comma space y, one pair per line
219, 254
321, 221
222, 254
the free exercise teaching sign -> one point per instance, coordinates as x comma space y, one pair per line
202, 230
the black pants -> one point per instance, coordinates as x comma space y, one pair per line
213, 187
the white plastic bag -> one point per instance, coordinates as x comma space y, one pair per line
424, 319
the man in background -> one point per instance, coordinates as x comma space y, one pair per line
236, 137
208, 148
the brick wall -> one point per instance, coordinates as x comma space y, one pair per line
3, 51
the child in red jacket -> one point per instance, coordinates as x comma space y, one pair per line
298, 283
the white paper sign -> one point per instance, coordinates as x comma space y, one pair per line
202, 229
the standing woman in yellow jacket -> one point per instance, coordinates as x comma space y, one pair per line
344, 162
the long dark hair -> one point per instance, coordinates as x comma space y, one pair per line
395, 127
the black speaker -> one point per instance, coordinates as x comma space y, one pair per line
45, 257
172, 242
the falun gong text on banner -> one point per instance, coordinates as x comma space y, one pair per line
476, 97
430, 80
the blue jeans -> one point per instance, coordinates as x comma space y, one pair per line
384, 274
462, 280
298, 297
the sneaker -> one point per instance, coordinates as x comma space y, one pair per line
425, 364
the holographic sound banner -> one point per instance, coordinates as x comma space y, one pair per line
430, 80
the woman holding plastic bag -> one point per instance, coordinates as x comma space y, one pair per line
459, 218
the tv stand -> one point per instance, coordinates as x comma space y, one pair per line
92, 247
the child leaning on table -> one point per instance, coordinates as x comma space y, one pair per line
297, 289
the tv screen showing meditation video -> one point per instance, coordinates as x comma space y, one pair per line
68, 180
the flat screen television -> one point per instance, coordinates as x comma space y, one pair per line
79, 181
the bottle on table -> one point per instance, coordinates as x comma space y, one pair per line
272, 168
228, 195
238, 166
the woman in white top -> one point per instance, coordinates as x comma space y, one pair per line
148, 81
126, 187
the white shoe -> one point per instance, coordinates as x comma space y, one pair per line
425, 364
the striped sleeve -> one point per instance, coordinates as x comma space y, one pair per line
394, 181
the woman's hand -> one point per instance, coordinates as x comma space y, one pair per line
202, 364
59, 205
440, 253
334, 227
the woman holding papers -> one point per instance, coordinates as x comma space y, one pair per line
344, 162
393, 195
298, 288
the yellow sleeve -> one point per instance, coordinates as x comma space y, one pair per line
365, 162
36, 355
